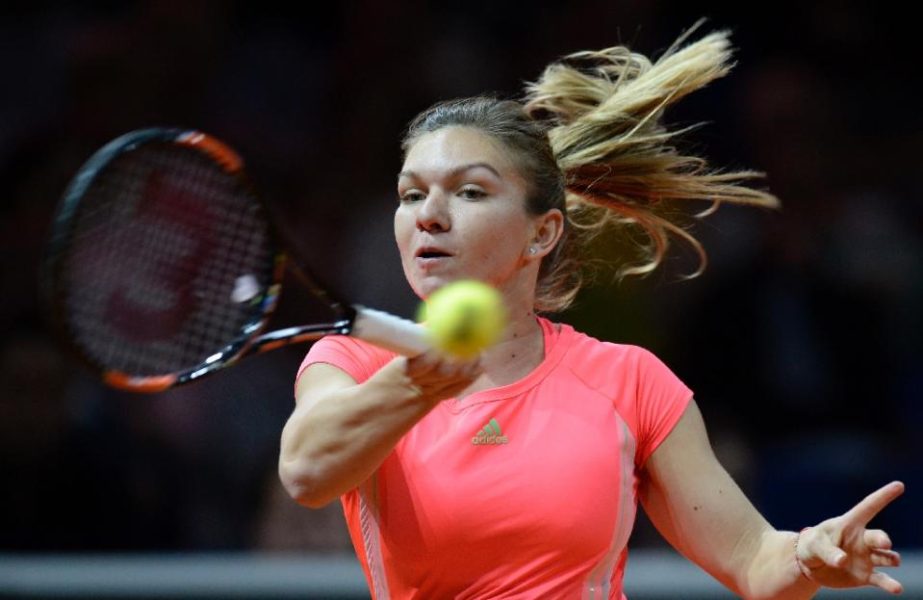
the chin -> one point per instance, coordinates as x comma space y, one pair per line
425, 286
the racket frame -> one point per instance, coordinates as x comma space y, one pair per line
251, 340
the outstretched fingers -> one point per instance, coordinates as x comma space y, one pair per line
840, 552
873, 504
877, 539
885, 582
885, 558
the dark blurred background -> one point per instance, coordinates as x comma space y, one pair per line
802, 340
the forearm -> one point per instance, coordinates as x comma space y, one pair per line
705, 515
734, 544
334, 443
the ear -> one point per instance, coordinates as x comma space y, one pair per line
546, 233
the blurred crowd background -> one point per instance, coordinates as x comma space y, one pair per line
802, 340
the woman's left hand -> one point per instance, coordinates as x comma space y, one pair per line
841, 552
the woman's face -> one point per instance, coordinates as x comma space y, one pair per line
462, 212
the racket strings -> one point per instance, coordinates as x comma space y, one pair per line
179, 255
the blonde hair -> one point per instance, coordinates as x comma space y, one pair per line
589, 137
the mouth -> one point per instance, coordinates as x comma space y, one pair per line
431, 253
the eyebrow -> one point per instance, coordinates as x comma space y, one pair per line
456, 171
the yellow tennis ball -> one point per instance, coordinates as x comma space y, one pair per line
464, 317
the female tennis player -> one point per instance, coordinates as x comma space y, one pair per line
517, 475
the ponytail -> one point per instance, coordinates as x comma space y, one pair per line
590, 139
621, 167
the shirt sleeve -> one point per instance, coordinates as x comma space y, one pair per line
358, 359
661, 399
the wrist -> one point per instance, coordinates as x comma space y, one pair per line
802, 576
398, 388
803, 569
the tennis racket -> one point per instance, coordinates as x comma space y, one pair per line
163, 267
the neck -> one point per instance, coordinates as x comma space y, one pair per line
520, 350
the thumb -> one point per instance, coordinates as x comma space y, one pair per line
816, 548
831, 555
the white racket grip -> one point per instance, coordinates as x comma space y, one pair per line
390, 332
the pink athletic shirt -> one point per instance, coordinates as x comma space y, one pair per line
523, 491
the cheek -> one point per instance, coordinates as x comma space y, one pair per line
506, 237
401, 231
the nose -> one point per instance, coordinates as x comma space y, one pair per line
433, 213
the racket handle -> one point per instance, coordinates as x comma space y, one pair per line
390, 332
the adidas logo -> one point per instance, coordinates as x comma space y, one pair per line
490, 435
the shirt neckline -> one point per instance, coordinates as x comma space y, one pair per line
556, 337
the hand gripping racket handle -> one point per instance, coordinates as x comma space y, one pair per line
390, 332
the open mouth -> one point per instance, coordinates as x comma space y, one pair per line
431, 253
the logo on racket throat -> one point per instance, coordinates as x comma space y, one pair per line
489, 435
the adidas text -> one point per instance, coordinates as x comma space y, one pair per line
484, 439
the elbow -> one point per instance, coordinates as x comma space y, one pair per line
304, 485
312, 500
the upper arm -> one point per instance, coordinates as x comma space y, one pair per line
697, 506
320, 379
317, 381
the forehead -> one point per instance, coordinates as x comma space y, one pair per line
446, 148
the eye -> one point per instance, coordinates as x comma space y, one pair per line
412, 196
472, 192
